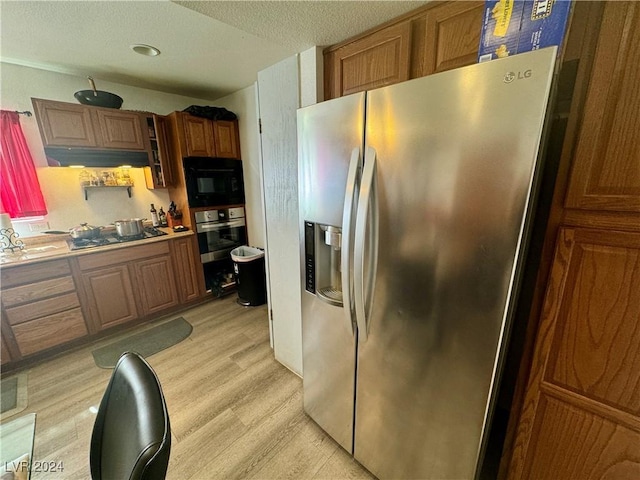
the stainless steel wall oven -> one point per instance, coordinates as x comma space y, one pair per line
219, 231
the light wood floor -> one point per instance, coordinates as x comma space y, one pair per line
235, 412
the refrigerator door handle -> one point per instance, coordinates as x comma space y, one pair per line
353, 177
366, 217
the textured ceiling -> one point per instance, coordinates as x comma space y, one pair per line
209, 48
302, 24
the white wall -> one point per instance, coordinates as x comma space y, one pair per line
311, 77
60, 185
284, 87
244, 104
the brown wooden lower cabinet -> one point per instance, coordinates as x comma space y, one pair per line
189, 276
40, 307
53, 302
581, 414
155, 284
49, 331
109, 292
112, 280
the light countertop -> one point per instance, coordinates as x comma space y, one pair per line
48, 247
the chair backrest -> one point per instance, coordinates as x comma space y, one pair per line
131, 436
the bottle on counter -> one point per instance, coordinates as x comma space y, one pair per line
162, 218
155, 221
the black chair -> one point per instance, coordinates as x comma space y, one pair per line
131, 437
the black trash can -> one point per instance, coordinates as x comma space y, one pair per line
248, 266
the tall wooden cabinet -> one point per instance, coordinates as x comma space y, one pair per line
200, 137
580, 415
438, 37
607, 176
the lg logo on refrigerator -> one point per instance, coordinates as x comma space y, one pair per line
511, 76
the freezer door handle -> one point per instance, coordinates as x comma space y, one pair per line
348, 215
366, 231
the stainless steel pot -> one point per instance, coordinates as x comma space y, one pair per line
131, 227
84, 231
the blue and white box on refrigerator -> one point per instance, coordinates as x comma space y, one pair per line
516, 26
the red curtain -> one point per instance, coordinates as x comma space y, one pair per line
20, 193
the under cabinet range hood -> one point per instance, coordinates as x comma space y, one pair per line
86, 157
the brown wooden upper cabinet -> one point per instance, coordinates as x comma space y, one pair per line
71, 125
198, 136
201, 137
120, 130
438, 37
606, 171
159, 174
227, 141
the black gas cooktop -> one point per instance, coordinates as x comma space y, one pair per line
112, 238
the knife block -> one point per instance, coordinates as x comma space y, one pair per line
174, 219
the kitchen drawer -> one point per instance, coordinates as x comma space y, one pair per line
122, 255
18, 275
49, 331
42, 308
36, 291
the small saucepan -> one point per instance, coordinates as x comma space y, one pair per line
131, 227
84, 231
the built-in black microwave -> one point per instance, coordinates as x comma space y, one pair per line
213, 182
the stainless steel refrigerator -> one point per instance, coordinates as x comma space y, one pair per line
415, 200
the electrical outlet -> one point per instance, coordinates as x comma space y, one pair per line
38, 226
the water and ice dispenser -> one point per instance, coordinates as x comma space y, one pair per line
323, 262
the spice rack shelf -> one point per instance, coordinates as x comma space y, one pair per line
86, 189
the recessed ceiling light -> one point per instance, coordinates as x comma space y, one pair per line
147, 50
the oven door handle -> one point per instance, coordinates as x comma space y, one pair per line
212, 227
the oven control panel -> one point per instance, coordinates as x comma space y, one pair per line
235, 212
220, 215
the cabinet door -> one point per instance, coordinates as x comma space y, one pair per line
120, 130
198, 134
452, 36
606, 172
5, 355
188, 269
155, 283
227, 140
46, 332
376, 60
581, 415
159, 174
110, 296
164, 154
64, 124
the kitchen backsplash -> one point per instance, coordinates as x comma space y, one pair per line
67, 205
